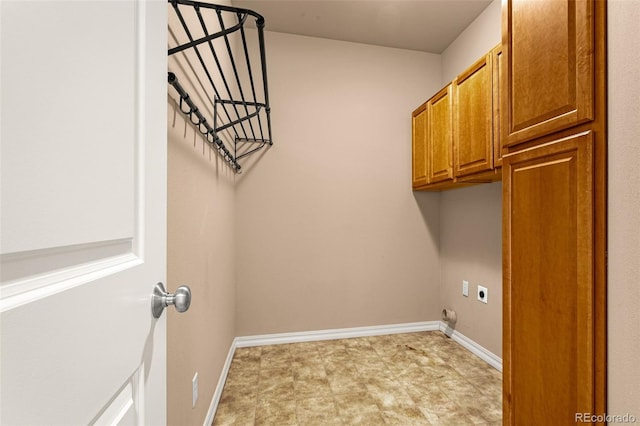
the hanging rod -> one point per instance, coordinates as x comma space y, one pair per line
243, 113
202, 122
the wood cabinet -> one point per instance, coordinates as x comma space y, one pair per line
419, 147
473, 119
457, 142
549, 74
549, 282
497, 59
439, 141
553, 127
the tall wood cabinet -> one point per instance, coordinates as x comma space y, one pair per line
549, 283
553, 116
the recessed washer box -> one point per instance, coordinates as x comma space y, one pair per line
483, 294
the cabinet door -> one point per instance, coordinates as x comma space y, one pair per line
498, 61
548, 52
419, 146
549, 307
440, 136
473, 111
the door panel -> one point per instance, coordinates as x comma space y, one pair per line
83, 236
548, 80
420, 129
498, 70
125, 406
66, 124
440, 139
549, 282
473, 119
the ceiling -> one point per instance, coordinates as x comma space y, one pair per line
424, 25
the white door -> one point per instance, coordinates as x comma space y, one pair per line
83, 211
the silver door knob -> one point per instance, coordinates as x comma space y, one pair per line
160, 299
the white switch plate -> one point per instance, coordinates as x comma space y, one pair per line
194, 384
465, 288
483, 294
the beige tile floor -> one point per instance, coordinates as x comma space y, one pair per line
401, 379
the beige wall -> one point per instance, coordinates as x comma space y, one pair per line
476, 40
471, 249
201, 255
329, 233
201, 252
324, 231
624, 207
471, 218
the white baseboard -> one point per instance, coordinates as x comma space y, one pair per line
484, 354
340, 333
220, 386
344, 333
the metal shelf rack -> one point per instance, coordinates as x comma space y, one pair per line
236, 119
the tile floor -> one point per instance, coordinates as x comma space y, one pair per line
401, 379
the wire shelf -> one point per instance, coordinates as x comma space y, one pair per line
212, 48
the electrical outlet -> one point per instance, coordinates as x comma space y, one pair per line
465, 288
194, 384
483, 294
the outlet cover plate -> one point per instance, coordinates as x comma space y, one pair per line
483, 294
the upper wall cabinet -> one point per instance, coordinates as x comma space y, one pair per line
548, 57
456, 139
439, 141
497, 58
419, 129
473, 124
